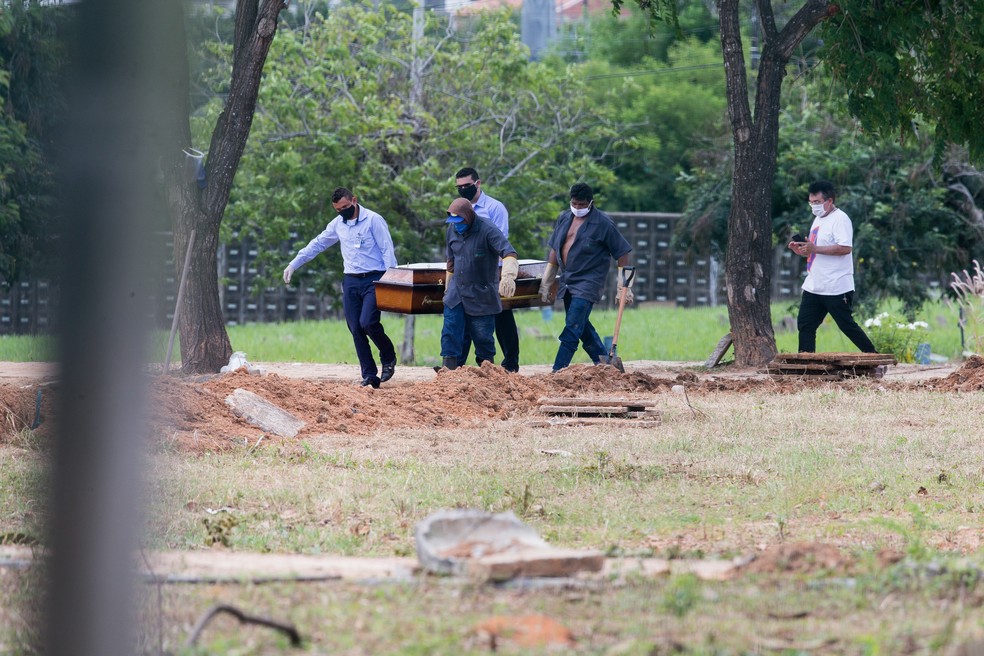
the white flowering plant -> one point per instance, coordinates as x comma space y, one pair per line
969, 289
893, 334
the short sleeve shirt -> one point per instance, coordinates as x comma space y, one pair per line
475, 259
830, 275
597, 242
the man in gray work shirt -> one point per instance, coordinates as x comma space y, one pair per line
469, 187
471, 297
367, 251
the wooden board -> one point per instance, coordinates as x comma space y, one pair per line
843, 359
722, 347
583, 409
419, 288
554, 422
641, 403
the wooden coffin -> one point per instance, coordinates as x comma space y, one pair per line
419, 288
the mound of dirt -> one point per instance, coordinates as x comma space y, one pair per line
968, 378
800, 558
469, 396
192, 414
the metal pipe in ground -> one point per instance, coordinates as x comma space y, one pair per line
177, 303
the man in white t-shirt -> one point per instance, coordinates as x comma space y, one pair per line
829, 284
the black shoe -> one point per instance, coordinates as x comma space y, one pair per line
388, 371
370, 380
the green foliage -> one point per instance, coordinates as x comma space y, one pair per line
342, 105
31, 101
669, 110
911, 222
682, 594
907, 65
893, 334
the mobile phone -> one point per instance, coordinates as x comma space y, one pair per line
797, 237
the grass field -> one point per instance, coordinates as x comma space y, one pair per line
678, 334
868, 470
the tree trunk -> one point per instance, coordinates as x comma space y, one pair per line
205, 345
748, 263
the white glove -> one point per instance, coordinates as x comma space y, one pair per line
629, 296
547, 282
287, 274
507, 281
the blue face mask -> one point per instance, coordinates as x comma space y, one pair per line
461, 227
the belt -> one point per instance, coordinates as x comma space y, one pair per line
365, 275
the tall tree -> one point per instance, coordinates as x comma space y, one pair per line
903, 63
197, 209
394, 117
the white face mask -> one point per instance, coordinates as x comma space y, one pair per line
579, 213
817, 209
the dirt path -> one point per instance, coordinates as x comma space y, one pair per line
14, 373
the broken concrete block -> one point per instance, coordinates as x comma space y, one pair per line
535, 562
260, 412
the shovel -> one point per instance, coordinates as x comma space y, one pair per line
627, 275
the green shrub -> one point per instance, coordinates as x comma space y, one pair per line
893, 334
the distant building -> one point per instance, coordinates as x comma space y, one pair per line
539, 18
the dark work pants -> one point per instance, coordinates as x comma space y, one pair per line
814, 308
577, 327
362, 317
457, 325
507, 334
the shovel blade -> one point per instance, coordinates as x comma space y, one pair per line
613, 359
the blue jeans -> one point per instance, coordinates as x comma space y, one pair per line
481, 330
362, 317
577, 328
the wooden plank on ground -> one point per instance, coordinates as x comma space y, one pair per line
813, 377
848, 358
555, 422
789, 367
594, 401
583, 409
722, 347
644, 414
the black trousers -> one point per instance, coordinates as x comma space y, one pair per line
507, 334
814, 308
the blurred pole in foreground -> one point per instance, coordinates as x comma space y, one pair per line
108, 172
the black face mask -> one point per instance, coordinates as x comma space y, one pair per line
467, 191
347, 213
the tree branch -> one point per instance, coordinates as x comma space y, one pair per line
800, 25
288, 629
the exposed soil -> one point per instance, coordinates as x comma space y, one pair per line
191, 413
968, 378
800, 558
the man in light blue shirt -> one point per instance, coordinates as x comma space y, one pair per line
489, 209
367, 251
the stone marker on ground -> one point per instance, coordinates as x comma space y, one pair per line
260, 412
